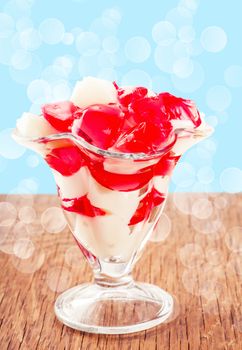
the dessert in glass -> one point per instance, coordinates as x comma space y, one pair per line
112, 151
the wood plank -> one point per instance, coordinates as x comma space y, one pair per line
211, 321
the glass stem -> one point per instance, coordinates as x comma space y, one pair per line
113, 275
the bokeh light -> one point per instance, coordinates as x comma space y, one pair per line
8, 214
23, 248
53, 220
164, 33
27, 214
179, 17
31, 264
30, 39
191, 255
6, 25
206, 175
218, 98
233, 239
21, 59
183, 67
31, 72
58, 279
192, 82
32, 161
51, 31
184, 174
137, 49
162, 229
74, 257
39, 91
9, 149
213, 39
110, 44
231, 180
88, 44
202, 208
186, 34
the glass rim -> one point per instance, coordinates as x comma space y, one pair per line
113, 154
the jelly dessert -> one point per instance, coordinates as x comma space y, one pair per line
113, 193
112, 151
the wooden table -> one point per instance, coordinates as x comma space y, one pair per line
207, 288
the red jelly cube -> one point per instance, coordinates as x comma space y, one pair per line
179, 108
66, 160
60, 114
146, 137
81, 205
148, 109
126, 96
100, 124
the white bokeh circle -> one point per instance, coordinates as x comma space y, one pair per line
88, 43
53, 220
51, 31
213, 39
8, 214
184, 174
39, 91
110, 44
30, 39
137, 49
187, 34
191, 83
231, 180
218, 98
164, 33
9, 149
23, 248
58, 279
6, 25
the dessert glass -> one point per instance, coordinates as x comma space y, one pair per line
119, 197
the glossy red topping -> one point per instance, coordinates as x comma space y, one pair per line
99, 124
166, 164
126, 97
151, 200
81, 205
145, 137
60, 114
66, 160
179, 108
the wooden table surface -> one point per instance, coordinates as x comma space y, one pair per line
202, 271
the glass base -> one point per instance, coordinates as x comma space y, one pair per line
113, 310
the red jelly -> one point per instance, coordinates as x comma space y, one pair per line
151, 200
60, 114
126, 97
179, 108
120, 182
66, 160
81, 205
100, 124
145, 137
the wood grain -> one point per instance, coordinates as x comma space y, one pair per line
210, 321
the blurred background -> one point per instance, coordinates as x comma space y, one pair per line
190, 48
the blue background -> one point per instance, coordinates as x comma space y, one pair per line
213, 165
